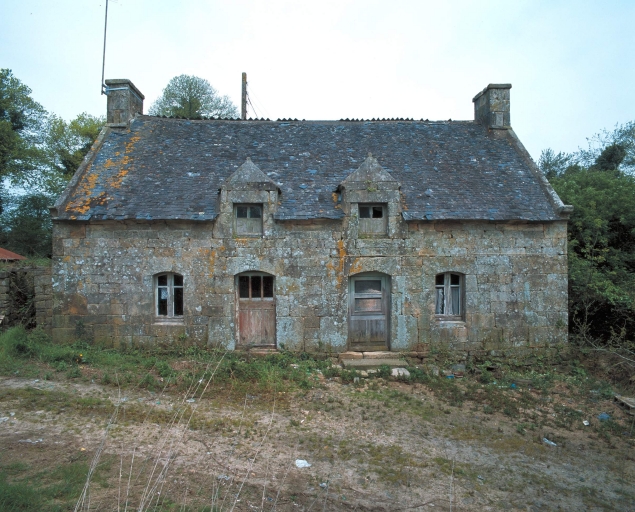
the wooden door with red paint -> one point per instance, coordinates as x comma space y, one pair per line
256, 310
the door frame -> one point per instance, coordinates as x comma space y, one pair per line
386, 301
237, 300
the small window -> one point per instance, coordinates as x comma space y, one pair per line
169, 295
372, 219
449, 296
255, 287
248, 219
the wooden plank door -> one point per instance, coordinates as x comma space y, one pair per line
256, 310
368, 313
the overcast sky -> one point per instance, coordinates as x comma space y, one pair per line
571, 63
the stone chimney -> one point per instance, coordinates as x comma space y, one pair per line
124, 101
491, 106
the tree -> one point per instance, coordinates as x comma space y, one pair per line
192, 97
67, 145
25, 226
601, 236
21, 123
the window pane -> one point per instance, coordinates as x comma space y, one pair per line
163, 280
267, 287
455, 279
368, 305
440, 306
178, 302
243, 287
378, 212
368, 286
241, 212
255, 287
162, 302
364, 212
456, 294
255, 212
178, 280
439, 280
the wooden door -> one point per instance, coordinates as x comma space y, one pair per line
256, 307
368, 317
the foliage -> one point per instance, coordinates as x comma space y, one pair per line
68, 143
40, 153
25, 225
599, 183
192, 97
21, 123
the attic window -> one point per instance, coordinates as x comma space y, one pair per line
372, 219
248, 219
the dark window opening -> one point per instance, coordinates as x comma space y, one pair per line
248, 219
372, 219
255, 287
449, 295
169, 295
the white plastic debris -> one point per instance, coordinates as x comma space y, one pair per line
400, 372
5, 418
190, 400
300, 463
585, 423
550, 443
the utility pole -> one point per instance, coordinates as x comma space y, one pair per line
243, 115
103, 62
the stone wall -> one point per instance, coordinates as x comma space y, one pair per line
515, 278
31, 286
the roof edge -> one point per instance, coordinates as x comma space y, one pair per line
86, 163
561, 209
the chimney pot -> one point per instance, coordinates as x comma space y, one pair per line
124, 101
491, 106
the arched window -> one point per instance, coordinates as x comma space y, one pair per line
168, 295
449, 292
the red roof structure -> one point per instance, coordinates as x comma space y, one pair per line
9, 256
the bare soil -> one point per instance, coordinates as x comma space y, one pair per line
378, 445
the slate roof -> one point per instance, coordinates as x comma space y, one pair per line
163, 169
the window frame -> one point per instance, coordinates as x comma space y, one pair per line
383, 220
248, 206
171, 299
447, 288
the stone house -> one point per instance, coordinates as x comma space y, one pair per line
311, 235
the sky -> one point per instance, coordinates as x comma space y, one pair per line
571, 63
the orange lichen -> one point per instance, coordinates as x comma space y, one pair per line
338, 266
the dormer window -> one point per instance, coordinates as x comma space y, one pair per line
248, 219
372, 219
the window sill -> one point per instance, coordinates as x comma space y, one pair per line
450, 321
169, 321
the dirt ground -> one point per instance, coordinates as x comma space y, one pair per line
377, 445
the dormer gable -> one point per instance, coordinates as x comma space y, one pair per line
248, 177
370, 175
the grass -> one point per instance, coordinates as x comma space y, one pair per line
530, 404
23, 488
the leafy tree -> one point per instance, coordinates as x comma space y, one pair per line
192, 97
67, 144
25, 225
21, 123
601, 233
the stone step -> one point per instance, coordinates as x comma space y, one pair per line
372, 364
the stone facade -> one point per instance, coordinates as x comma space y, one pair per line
515, 280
